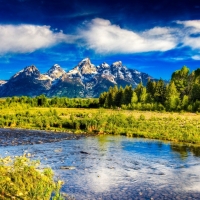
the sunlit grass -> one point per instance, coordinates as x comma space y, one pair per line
20, 179
180, 127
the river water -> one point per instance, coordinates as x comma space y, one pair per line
118, 167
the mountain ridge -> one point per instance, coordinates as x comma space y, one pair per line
84, 80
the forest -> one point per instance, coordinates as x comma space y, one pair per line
182, 93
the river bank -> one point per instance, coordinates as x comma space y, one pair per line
15, 137
176, 127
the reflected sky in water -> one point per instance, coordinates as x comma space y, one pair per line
118, 167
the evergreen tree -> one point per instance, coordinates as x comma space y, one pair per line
143, 95
180, 78
109, 98
128, 93
102, 98
172, 96
151, 85
119, 97
42, 100
138, 89
160, 90
134, 98
195, 93
185, 102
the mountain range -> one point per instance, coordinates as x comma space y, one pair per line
84, 80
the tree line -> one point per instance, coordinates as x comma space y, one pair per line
59, 102
182, 93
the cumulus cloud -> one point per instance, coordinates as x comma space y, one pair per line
104, 37
28, 38
190, 23
191, 29
101, 36
196, 57
193, 42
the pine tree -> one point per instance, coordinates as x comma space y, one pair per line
119, 97
180, 78
160, 91
102, 99
195, 93
128, 93
143, 95
138, 89
172, 96
134, 98
151, 85
185, 102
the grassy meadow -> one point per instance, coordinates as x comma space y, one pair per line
177, 127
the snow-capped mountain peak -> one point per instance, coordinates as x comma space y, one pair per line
55, 72
84, 80
2, 82
104, 65
117, 64
84, 67
28, 71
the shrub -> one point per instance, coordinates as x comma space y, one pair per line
20, 179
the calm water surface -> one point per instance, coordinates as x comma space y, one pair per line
118, 167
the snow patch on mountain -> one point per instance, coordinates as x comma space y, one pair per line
2, 82
84, 80
55, 72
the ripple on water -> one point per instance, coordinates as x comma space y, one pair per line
115, 167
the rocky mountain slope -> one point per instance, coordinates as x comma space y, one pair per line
84, 80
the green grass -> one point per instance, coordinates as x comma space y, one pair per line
177, 127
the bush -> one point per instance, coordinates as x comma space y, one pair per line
20, 179
142, 117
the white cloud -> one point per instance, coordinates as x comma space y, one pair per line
196, 57
103, 37
191, 27
193, 42
190, 23
28, 38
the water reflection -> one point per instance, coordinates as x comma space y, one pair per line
184, 150
117, 167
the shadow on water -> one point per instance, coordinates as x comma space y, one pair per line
183, 150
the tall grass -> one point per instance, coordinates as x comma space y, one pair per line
180, 127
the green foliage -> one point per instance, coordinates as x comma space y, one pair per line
180, 78
182, 93
127, 95
160, 92
134, 98
20, 179
61, 102
195, 94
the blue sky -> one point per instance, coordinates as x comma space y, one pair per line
156, 37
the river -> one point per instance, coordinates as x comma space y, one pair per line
118, 167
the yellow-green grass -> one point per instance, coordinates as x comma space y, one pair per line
20, 179
179, 127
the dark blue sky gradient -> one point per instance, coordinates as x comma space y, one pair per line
74, 19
